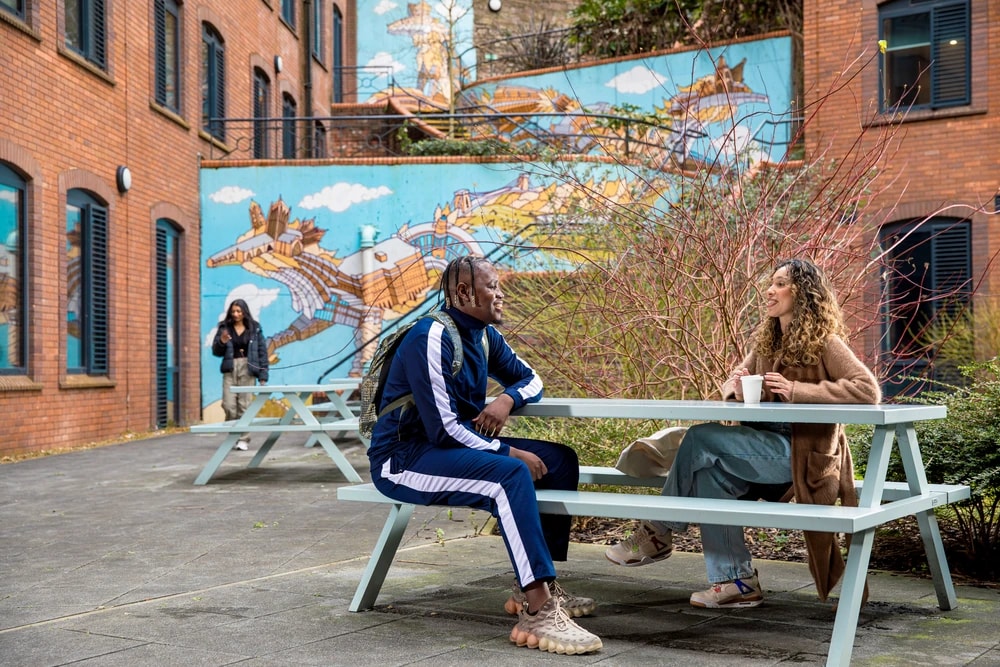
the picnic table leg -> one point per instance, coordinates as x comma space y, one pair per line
937, 561
381, 559
213, 463
845, 625
338, 457
227, 445
307, 417
340, 407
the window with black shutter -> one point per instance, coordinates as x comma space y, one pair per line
213, 82
86, 29
167, 311
928, 274
166, 20
289, 141
927, 56
87, 279
261, 107
338, 55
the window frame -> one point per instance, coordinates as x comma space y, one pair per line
317, 31
213, 82
10, 177
19, 10
948, 254
261, 105
337, 56
935, 10
94, 283
91, 31
288, 12
289, 127
164, 65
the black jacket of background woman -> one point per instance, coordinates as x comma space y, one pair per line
256, 351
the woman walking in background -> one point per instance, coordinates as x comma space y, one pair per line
240, 342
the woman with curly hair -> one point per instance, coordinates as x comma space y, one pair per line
800, 351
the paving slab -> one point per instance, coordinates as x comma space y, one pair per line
112, 556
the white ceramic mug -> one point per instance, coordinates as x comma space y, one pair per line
752, 386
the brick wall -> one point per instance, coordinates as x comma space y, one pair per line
941, 161
66, 124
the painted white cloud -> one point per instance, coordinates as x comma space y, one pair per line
384, 7
8, 196
231, 194
341, 196
257, 298
384, 59
637, 80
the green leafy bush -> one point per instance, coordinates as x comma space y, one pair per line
458, 147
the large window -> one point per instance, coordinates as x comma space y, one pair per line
213, 83
926, 62
86, 29
289, 142
288, 11
86, 284
13, 273
338, 55
167, 42
928, 275
261, 107
15, 7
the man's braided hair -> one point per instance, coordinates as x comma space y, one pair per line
453, 275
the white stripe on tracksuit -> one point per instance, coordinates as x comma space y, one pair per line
437, 484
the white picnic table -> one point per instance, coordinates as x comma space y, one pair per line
299, 418
880, 501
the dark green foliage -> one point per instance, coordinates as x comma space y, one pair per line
458, 147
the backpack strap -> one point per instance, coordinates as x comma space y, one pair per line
456, 362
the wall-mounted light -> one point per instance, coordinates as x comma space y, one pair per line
123, 179
277, 64
495, 5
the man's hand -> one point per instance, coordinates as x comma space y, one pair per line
494, 416
535, 465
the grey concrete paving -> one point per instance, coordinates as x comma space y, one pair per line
111, 556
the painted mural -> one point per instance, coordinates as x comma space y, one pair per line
331, 257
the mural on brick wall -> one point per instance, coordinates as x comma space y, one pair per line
331, 257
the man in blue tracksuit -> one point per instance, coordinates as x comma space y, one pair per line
445, 448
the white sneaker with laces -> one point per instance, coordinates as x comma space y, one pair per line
551, 629
644, 546
574, 605
241, 444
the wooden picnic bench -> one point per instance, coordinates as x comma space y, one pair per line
337, 419
879, 501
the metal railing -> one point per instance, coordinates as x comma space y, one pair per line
579, 133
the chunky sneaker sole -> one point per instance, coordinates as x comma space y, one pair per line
552, 630
734, 594
575, 606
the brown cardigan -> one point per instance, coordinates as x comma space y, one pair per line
822, 468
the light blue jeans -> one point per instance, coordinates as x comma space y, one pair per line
716, 461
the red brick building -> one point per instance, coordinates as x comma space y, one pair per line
99, 266
939, 79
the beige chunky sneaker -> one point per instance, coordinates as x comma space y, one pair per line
574, 605
731, 594
642, 547
551, 629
